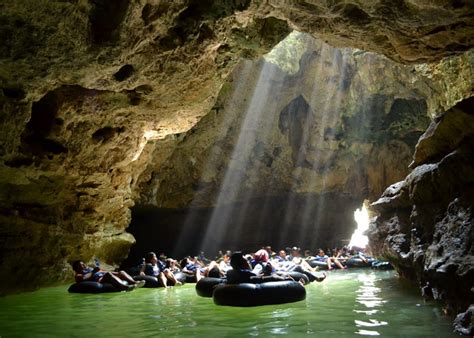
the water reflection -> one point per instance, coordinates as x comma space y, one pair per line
368, 296
281, 313
367, 333
371, 323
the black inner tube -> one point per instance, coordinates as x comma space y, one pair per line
247, 294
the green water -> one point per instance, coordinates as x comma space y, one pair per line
347, 304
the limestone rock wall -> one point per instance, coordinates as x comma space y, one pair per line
424, 224
407, 31
346, 121
82, 82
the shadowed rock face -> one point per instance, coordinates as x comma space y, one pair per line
249, 224
424, 224
82, 82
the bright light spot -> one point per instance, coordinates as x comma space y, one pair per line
147, 135
370, 323
151, 135
367, 333
358, 238
288, 52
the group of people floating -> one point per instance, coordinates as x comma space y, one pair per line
236, 267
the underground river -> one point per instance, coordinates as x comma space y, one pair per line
348, 303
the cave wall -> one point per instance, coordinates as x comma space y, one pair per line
408, 31
424, 224
336, 121
82, 82
345, 121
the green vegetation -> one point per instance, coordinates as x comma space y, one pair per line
287, 53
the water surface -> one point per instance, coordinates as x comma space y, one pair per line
347, 304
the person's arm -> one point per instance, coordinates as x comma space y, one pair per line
85, 277
297, 260
79, 277
143, 270
162, 267
257, 270
186, 270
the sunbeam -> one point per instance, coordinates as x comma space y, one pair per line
291, 136
218, 226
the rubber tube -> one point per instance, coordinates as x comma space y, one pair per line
247, 294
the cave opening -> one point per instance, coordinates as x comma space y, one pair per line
294, 149
359, 238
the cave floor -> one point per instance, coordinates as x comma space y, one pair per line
346, 304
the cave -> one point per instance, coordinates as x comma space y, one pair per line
189, 128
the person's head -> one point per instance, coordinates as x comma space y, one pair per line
261, 256
268, 249
237, 261
267, 269
184, 262
282, 253
307, 253
321, 252
214, 272
295, 251
78, 266
151, 258
170, 263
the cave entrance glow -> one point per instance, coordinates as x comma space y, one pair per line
358, 239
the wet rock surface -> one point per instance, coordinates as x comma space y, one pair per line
424, 224
463, 323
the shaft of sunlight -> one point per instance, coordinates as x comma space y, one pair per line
235, 175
